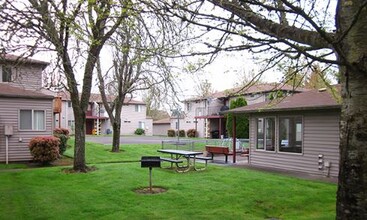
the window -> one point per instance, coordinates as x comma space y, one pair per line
137, 108
32, 120
141, 124
265, 134
69, 104
5, 74
70, 123
188, 106
290, 134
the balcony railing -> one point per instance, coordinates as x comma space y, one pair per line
89, 113
95, 113
207, 111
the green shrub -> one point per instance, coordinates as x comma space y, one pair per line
171, 133
182, 133
139, 131
191, 133
63, 135
44, 149
242, 123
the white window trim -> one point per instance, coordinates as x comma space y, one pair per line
138, 108
141, 123
277, 135
32, 119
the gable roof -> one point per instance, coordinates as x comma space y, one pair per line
9, 91
310, 100
257, 88
18, 59
163, 121
94, 97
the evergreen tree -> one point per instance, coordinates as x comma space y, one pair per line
242, 123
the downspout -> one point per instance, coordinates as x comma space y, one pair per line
220, 128
7, 149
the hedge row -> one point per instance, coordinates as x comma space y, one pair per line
182, 133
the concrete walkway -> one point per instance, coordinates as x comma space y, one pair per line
242, 163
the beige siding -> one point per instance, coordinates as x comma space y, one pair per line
320, 137
186, 124
161, 129
18, 142
189, 121
27, 77
215, 103
67, 114
130, 120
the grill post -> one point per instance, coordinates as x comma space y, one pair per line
150, 179
150, 161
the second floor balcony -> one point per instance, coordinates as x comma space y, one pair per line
96, 113
209, 111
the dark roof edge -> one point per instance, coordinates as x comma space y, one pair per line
263, 110
26, 96
23, 60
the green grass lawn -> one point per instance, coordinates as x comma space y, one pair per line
220, 192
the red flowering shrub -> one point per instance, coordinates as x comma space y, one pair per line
192, 133
63, 131
44, 149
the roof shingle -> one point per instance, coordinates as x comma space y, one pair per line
313, 99
16, 92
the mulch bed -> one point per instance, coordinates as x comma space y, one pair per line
63, 161
146, 190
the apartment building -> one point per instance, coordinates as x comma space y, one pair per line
204, 113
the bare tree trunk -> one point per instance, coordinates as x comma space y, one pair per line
116, 126
79, 152
352, 186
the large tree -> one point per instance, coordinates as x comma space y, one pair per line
140, 50
76, 31
330, 32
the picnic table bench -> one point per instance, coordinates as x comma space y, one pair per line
211, 149
177, 154
172, 161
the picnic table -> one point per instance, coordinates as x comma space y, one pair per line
178, 156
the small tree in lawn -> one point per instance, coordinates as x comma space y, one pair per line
242, 123
139, 50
